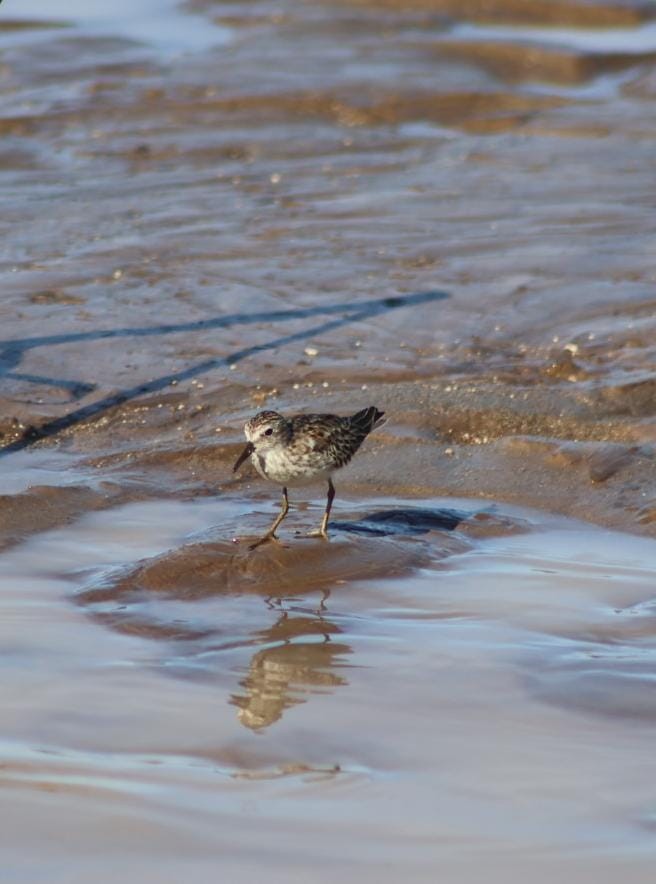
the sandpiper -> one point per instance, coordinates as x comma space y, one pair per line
302, 449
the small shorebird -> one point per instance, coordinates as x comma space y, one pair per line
302, 449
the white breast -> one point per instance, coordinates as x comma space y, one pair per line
276, 466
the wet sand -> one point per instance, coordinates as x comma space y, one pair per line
442, 209
451, 221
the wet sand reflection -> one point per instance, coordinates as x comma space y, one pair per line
205, 600
300, 658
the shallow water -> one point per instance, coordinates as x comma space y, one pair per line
445, 211
492, 702
160, 25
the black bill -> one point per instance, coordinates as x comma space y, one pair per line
246, 453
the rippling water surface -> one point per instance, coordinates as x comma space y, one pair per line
485, 697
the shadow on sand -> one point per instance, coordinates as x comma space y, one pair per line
13, 352
402, 522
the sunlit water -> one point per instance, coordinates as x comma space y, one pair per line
495, 704
611, 40
159, 24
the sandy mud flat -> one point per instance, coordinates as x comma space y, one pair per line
443, 209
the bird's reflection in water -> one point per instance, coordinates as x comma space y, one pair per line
300, 657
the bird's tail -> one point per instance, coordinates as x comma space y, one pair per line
367, 420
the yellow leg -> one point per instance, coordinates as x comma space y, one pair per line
323, 530
271, 533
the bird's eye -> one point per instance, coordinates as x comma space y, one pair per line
268, 432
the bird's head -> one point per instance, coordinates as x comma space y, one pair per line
266, 430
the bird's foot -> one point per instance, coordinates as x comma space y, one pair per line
320, 532
262, 540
